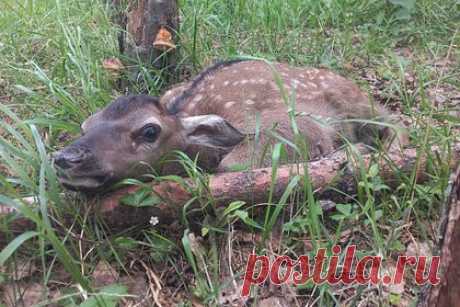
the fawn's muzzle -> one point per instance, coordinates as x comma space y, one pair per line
71, 157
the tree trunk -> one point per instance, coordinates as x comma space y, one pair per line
447, 293
147, 37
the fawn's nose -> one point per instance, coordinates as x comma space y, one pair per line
69, 157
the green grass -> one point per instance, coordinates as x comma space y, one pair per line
51, 79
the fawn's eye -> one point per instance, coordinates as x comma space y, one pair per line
150, 132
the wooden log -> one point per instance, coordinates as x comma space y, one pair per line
251, 186
447, 293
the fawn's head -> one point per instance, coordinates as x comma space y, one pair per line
131, 135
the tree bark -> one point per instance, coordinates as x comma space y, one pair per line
252, 187
447, 293
148, 32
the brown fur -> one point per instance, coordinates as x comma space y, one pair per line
240, 91
215, 116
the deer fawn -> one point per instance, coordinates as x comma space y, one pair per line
229, 114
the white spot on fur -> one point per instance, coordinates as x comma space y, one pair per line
229, 104
226, 83
262, 81
236, 83
234, 71
249, 102
284, 74
212, 87
313, 85
244, 81
302, 76
218, 97
197, 98
321, 77
324, 84
296, 82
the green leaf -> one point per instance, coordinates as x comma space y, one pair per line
188, 251
107, 297
233, 206
298, 224
204, 231
345, 209
338, 217
316, 209
373, 170
243, 215
395, 299
15, 244
308, 285
396, 245
143, 197
380, 187
378, 215
126, 243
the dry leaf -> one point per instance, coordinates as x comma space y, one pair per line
104, 274
22, 294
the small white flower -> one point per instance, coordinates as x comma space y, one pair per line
154, 220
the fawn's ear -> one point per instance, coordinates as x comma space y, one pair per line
211, 131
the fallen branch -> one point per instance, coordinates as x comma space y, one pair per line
252, 187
